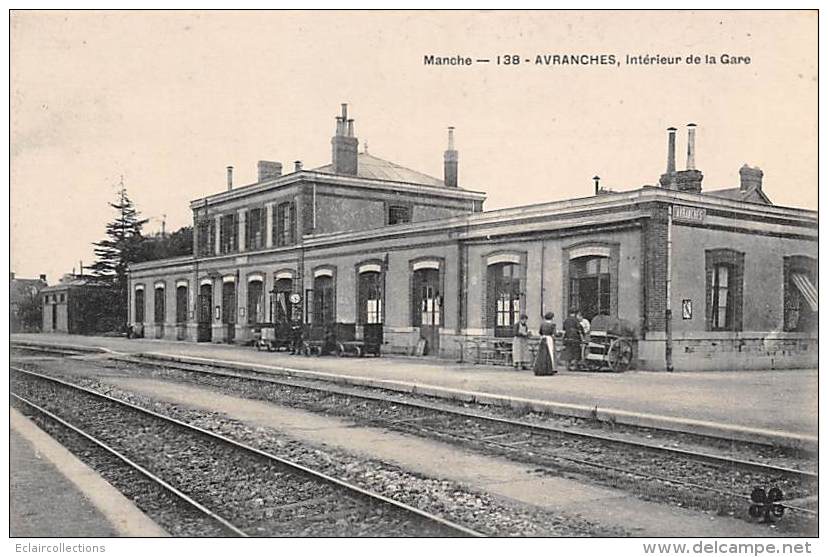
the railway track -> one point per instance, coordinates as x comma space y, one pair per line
541, 444
331, 499
224, 525
514, 437
522, 425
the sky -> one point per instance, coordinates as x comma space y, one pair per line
169, 99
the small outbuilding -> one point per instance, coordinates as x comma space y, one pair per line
76, 305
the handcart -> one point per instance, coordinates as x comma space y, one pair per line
340, 339
607, 347
274, 337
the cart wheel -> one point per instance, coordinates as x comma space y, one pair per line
619, 355
340, 350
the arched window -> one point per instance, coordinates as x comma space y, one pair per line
504, 307
589, 285
323, 300
139, 305
283, 288
255, 302
370, 298
181, 295
160, 305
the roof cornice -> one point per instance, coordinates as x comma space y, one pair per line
335, 179
619, 200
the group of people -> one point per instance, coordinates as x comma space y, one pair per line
521, 355
576, 333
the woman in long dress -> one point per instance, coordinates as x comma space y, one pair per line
545, 362
520, 344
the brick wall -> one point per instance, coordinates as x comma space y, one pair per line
654, 263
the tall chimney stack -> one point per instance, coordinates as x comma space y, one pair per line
344, 145
229, 178
668, 179
691, 146
597, 180
671, 150
689, 180
297, 166
450, 161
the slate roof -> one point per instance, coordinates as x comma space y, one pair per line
737, 194
369, 166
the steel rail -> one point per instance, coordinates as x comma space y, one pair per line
226, 524
710, 458
544, 428
291, 465
617, 469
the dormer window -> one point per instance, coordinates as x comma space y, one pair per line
398, 214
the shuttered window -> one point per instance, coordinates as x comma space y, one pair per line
284, 225
255, 226
229, 233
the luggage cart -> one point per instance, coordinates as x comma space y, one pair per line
606, 351
274, 337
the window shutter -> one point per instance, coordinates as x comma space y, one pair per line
491, 296
292, 237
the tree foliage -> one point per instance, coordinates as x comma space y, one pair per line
121, 247
29, 312
162, 246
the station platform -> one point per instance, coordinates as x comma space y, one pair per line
775, 406
53, 494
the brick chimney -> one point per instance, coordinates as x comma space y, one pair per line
750, 178
689, 180
268, 170
229, 178
344, 145
450, 161
297, 166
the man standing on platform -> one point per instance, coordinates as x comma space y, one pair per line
572, 338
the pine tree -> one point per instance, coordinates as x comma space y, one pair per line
121, 247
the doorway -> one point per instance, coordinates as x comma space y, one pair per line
160, 311
205, 309
228, 310
428, 308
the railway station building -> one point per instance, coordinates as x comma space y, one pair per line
719, 279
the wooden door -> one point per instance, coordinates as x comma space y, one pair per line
228, 310
428, 307
205, 309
